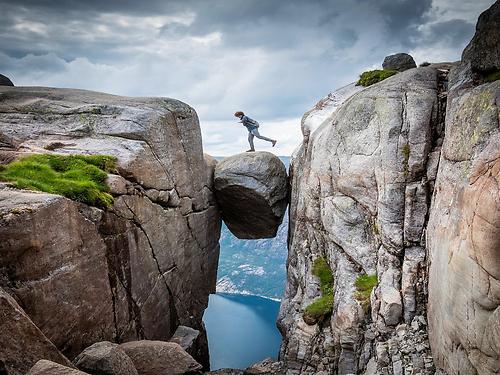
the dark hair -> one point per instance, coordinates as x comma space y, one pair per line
239, 113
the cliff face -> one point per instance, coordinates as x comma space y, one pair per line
134, 271
463, 235
361, 186
401, 181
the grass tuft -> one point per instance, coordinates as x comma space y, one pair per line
364, 285
322, 306
78, 177
492, 77
371, 77
406, 157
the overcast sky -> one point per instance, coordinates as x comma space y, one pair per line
273, 59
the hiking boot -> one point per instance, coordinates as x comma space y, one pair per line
274, 142
251, 150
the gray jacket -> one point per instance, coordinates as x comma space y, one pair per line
249, 123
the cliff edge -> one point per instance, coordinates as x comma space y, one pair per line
136, 270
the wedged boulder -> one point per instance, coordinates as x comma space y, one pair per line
5, 81
483, 51
44, 367
252, 192
160, 358
105, 358
22, 344
399, 62
135, 271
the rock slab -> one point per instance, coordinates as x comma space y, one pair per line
463, 235
22, 344
44, 367
252, 193
160, 358
402, 181
185, 337
105, 358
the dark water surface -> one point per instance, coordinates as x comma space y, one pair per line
241, 330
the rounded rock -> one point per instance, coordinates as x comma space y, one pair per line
399, 62
483, 51
105, 358
160, 358
252, 193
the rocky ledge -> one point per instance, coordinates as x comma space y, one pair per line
81, 274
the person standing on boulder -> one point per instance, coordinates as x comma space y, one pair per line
253, 130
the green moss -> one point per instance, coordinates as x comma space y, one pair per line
322, 306
364, 285
78, 177
322, 271
406, 152
371, 77
492, 76
406, 157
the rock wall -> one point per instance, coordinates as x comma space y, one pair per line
16, 329
135, 271
463, 235
401, 180
360, 192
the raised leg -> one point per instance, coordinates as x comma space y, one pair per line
257, 134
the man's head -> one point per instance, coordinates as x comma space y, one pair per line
239, 114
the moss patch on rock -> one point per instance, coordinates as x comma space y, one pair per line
371, 77
364, 286
406, 157
492, 77
322, 306
81, 178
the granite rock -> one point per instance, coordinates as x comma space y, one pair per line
160, 358
135, 271
399, 62
252, 192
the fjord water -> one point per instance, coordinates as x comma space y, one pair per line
241, 330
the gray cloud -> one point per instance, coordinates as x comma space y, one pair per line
455, 32
274, 59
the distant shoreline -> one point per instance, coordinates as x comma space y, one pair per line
247, 295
